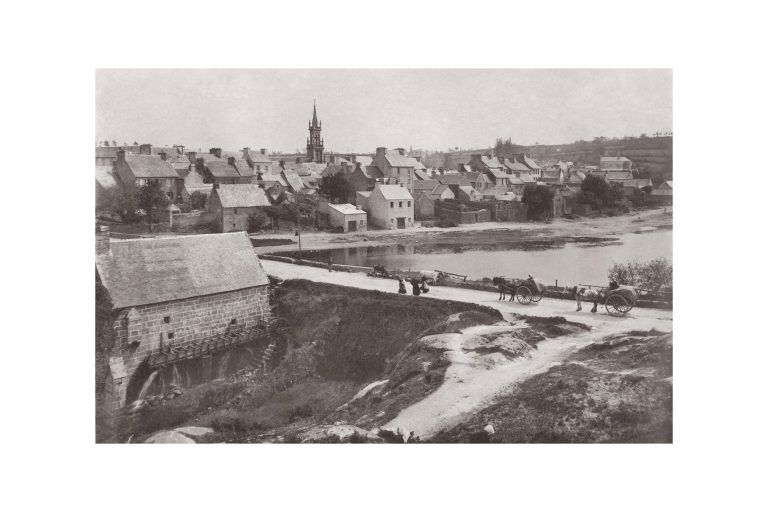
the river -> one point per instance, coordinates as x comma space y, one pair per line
568, 264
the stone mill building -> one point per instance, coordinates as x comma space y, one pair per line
182, 306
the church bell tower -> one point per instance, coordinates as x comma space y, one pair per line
315, 142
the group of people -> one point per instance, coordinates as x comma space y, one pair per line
419, 286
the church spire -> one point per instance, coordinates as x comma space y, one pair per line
314, 113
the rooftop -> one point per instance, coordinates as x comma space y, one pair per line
242, 196
152, 270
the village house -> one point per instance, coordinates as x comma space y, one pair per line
233, 204
424, 207
396, 166
615, 163
663, 193
552, 176
476, 180
390, 206
467, 193
258, 160
107, 155
346, 216
182, 298
442, 192
135, 171
363, 179
491, 167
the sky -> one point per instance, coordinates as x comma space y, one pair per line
362, 109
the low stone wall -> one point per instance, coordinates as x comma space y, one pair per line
317, 264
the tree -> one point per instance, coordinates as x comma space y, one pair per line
118, 201
152, 198
197, 200
599, 193
335, 187
652, 275
539, 200
256, 221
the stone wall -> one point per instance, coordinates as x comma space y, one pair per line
144, 330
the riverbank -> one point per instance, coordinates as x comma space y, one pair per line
488, 234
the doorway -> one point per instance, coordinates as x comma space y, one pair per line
352, 225
401, 223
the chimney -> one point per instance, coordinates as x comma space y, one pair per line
164, 156
401, 151
192, 156
121, 155
282, 164
179, 148
145, 149
215, 151
381, 151
231, 160
418, 158
102, 240
263, 151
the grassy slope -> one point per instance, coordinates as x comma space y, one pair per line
615, 391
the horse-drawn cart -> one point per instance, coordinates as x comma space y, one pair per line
530, 290
620, 301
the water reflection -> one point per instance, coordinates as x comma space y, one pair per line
568, 263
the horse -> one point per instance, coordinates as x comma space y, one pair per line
378, 270
588, 295
505, 286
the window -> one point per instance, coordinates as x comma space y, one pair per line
168, 183
233, 321
392, 204
409, 204
400, 204
258, 167
170, 335
235, 211
409, 219
233, 224
166, 319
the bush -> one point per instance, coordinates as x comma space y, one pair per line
300, 411
256, 221
653, 275
445, 223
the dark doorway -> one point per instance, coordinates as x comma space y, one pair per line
401, 223
352, 225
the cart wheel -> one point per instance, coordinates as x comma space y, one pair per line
537, 297
524, 295
617, 305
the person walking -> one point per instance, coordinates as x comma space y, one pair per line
330, 263
401, 287
415, 284
424, 285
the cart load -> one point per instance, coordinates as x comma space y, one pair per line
620, 301
530, 290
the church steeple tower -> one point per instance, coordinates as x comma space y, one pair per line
315, 142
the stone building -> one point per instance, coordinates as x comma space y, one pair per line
233, 204
179, 303
348, 217
395, 166
391, 206
135, 171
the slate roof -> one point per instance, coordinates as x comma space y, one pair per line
530, 163
364, 160
256, 157
243, 168
149, 166
491, 162
104, 176
394, 192
395, 159
152, 270
425, 185
437, 192
467, 190
495, 191
449, 179
346, 209
293, 180
242, 196
497, 172
371, 172
221, 169
422, 174
207, 157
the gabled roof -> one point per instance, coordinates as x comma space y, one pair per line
551, 174
449, 179
242, 196
364, 160
527, 178
395, 159
393, 192
497, 172
425, 185
469, 191
243, 168
491, 162
104, 176
206, 157
346, 208
495, 191
371, 172
530, 163
149, 166
293, 180
438, 191
422, 174
152, 270
205, 188
221, 169
256, 157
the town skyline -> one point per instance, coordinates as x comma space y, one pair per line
268, 108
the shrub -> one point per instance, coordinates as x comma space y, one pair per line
256, 221
300, 411
653, 275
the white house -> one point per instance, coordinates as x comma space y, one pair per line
391, 206
346, 216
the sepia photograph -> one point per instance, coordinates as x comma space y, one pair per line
380, 255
